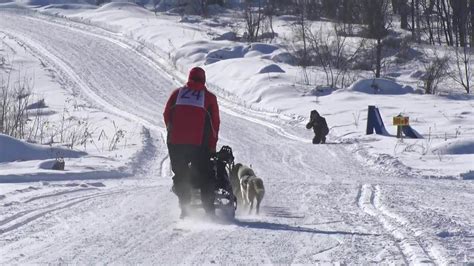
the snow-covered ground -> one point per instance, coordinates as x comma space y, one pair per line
257, 77
359, 199
63, 118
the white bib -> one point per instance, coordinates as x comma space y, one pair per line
186, 96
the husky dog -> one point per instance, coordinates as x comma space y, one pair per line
235, 182
251, 187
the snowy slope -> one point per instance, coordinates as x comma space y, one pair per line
235, 72
322, 203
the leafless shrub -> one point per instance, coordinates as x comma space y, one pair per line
112, 142
435, 71
356, 117
405, 52
32, 122
14, 98
70, 131
421, 147
119, 135
458, 132
77, 132
235, 26
38, 126
329, 50
425, 147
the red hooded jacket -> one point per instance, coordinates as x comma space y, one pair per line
192, 114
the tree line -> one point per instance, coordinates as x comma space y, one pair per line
446, 23
438, 22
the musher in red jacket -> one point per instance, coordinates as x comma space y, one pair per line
192, 121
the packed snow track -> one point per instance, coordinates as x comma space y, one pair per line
321, 203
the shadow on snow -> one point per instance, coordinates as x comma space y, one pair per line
285, 227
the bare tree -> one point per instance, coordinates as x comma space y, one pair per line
269, 12
462, 74
283, 6
301, 29
459, 20
446, 21
253, 17
471, 25
400, 7
378, 19
155, 6
204, 6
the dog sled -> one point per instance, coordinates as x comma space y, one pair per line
225, 201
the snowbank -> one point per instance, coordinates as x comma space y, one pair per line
226, 53
228, 36
8, 4
129, 7
271, 69
281, 57
12, 150
456, 146
74, 171
55, 2
197, 51
380, 86
214, 51
79, 6
468, 175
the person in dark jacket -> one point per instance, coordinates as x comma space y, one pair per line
320, 127
192, 121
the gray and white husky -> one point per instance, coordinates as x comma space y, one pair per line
248, 187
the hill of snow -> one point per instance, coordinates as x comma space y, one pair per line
16, 150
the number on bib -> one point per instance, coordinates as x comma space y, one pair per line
187, 96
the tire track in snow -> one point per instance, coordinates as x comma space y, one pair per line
57, 194
433, 249
369, 200
74, 77
24, 217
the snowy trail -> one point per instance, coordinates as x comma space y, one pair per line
317, 207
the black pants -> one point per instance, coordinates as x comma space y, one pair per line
192, 169
319, 138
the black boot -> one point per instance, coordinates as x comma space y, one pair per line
182, 189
